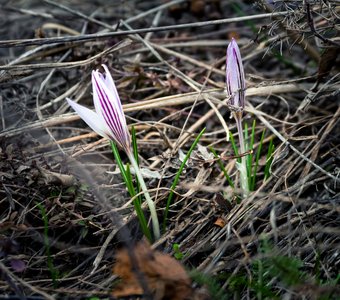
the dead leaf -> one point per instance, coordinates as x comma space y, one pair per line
147, 173
50, 177
204, 153
220, 222
164, 275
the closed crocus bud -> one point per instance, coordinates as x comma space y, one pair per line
109, 119
235, 79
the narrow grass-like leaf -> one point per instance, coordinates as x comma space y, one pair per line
129, 183
127, 177
249, 158
54, 272
138, 206
251, 155
257, 159
138, 201
119, 162
135, 154
179, 172
234, 146
220, 164
269, 159
134, 144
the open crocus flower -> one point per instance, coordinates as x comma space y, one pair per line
235, 79
109, 119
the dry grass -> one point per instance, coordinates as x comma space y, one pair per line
171, 82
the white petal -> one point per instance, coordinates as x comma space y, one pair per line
91, 118
112, 87
95, 92
106, 83
108, 106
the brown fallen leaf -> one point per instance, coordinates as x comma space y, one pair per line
49, 177
164, 275
220, 222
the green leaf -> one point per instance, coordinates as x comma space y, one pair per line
128, 180
220, 164
179, 172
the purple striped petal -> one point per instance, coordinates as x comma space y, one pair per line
235, 79
109, 119
108, 106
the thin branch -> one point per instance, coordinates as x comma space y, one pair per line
312, 27
91, 37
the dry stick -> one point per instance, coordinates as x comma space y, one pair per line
306, 181
102, 250
312, 27
310, 97
188, 59
5, 270
38, 109
295, 37
89, 146
3, 123
61, 97
114, 27
44, 83
28, 12
315, 150
294, 167
149, 34
210, 69
61, 28
158, 103
273, 130
89, 37
188, 98
185, 44
68, 140
72, 64
32, 54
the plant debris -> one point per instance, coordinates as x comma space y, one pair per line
65, 213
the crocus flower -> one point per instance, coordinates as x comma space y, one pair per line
235, 79
109, 119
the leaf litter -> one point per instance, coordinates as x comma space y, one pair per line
166, 80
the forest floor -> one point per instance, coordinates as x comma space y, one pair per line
68, 228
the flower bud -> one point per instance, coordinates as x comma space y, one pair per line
235, 79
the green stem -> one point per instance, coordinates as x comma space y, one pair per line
243, 168
148, 199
